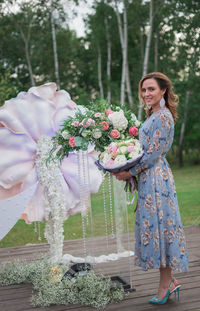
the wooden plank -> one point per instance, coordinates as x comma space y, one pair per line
17, 297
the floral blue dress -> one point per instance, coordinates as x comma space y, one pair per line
159, 236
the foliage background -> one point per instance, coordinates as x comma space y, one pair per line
27, 55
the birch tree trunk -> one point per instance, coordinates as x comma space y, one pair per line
156, 52
99, 72
147, 49
26, 49
53, 31
108, 62
180, 147
141, 43
123, 34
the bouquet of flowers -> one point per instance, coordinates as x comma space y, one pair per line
97, 129
120, 156
113, 133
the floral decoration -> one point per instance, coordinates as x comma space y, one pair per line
97, 128
50, 288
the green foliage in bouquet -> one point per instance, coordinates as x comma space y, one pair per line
90, 289
98, 126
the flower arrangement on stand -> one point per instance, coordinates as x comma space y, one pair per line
98, 129
113, 133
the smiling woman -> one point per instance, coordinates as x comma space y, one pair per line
159, 236
152, 94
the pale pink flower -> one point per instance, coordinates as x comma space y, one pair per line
97, 115
75, 123
130, 148
110, 162
87, 123
113, 148
109, 111
39, 111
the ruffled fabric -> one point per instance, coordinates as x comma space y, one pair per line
40, 111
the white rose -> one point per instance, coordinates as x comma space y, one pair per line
106, 158
118, 120
120, 159
123, 149
85, 133
137, 145
66, 134
96, 133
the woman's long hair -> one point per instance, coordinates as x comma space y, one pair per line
171, 99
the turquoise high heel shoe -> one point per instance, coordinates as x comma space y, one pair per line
157, 301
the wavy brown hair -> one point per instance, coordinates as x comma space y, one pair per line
171, 99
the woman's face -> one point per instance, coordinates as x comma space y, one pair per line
151, 93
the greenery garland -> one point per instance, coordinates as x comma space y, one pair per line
89, 289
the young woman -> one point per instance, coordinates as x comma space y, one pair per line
159, 236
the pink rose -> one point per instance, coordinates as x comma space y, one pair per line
113, 148
75, 123
115, 134
87, 123
104, 126
110, 162
130, 148
133, 131
72, 142
109, 111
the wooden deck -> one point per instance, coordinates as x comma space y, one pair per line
17, 297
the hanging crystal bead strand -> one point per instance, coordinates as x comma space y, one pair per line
128, 197
85, 187
129, 245
89, 197
82, 203
111, 205
105, 211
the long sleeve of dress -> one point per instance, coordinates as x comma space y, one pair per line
156, 139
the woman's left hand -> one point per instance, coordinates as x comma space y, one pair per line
123, 175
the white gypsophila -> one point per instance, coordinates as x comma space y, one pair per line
51, 179
135, 120
118, 120
120, 159
106, 157
96, 133
66, 134
137, 123
133, 117
123, 149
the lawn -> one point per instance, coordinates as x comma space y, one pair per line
187, 181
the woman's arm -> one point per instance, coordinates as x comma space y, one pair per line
157, 143
160, 134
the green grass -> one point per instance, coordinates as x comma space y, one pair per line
187, 181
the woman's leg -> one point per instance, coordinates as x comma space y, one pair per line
165, 279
